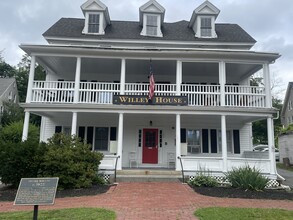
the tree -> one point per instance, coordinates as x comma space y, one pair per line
22, 75
12, 112
5, 69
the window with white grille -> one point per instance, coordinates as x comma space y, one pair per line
206, 27
94, 23
152, 25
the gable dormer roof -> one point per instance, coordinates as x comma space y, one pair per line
96, 6
206, 8
151, 6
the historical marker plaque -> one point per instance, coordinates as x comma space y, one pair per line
36, 191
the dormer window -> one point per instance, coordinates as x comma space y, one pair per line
96, 17
206, 27
203, 20
151, 16
94, 23
152, 25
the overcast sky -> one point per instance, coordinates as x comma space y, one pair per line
267, 21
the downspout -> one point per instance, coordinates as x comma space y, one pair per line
278, 175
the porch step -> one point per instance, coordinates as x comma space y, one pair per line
142, 175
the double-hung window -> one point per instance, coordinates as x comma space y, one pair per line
193, 141
152, 25
94, 23
206, 27
101, 138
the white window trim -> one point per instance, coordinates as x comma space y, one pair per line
144, 29
198, 29
94, 140
101, 24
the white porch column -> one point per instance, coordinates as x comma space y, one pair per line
31, 80
122, 77
270, 130
74, 124
77, 80
178, 141
178, 77
222, 81
224, 142
267, 82
120, 141
25, 126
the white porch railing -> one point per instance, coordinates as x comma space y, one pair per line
215, 164
201, 95
52, 91
102, 93
97, 92
245, 96
143, 89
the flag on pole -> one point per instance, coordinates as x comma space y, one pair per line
152, 84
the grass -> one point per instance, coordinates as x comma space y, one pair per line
242, 214
63, 214
282, 166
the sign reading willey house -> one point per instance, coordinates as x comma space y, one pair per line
143, 100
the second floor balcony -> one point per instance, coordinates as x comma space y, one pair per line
102, 93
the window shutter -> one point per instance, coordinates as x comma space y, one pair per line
113, 134
90, 134
214, 141
236, 140
205, 140
183, 135
58, 129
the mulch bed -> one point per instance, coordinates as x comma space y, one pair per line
228, 192
7, 194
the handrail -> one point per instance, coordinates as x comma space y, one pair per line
182, 171
115, 171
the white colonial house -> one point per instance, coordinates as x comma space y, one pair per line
97, 87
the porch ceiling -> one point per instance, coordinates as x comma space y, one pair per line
62, 59
66, 66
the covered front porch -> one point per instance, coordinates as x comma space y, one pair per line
151, 137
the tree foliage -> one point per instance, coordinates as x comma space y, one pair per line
5, 69
12, 112
13, 132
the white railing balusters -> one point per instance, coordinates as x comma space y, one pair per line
102, 93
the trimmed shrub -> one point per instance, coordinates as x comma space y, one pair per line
13, 132
247, 178
72, 161
20, 160
203, 178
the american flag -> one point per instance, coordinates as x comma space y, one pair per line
152, 84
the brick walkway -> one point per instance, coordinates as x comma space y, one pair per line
135, 201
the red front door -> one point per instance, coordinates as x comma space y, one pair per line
150, 146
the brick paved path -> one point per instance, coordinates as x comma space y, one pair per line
151, 201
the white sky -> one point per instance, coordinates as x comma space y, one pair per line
267, 21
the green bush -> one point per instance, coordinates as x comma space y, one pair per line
20, 160
247, 178
13, 132
72, 161
203, 178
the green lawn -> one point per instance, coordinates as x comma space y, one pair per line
242, 214
282, 166
63, 214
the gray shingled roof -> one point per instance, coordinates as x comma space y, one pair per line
130, 30
4, 84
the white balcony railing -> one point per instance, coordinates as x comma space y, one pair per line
102, 93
